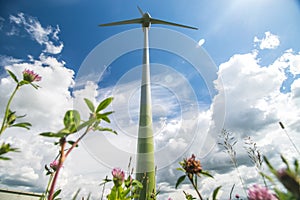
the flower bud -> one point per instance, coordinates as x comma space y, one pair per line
30, 76
118, 176
54, 165
192, 166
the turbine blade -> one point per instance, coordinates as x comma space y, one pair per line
158, 21
130, 21
142, 13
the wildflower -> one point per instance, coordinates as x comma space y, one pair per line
118, 176
257, 192
54, 165
30, 76
192, 166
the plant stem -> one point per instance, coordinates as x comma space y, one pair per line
103, 190
231, 191
3, 126
264, 181
48, 186
295, 147
60, 164
239, 174
62, 158
195, 187
77, 141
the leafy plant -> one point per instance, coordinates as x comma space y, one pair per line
289, 177
10, 118
73, 124
192, 170
123, 189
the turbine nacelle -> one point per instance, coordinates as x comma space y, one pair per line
146, 20
146, 15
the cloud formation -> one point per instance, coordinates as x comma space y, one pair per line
270, 41
37, 32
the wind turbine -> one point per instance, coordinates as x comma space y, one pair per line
145, 167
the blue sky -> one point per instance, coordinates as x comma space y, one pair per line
239, 71
220, 23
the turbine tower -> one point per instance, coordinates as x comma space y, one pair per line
145, 166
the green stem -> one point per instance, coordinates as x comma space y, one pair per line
195, 187
263, 179
48, 186
4, 126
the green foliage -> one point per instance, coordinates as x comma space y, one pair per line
192, 170
123, 189
128, 190
5, 148
73, 124
206, 173
90, 104
289, 177
215, 193
10, 117
55, 196
51, 134
104, 104
188, 196
180, 180
13, 76
72, 121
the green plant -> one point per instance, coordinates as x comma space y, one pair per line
192, 170
74, 124
123, 189
10, 118
289, 177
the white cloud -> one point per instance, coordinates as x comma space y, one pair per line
8, 60
251, 88
289, 60
296, 89
254, 105
270, 41
56, 32
38, 33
